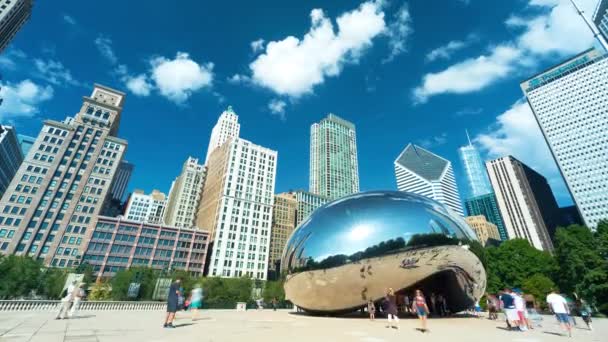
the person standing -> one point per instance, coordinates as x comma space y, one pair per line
77, 296
406, 302
558, 304
172, 303
371, 309
196, 301
274, 304
391, 308
66, 302
433, 304
422, 310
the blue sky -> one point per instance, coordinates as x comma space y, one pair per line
402, 71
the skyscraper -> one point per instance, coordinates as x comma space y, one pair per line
525, 201
25, 143
475, 171
121, 180
146, 208
236, 208
307, 203
283, 224
483, 229
569, 104
425, 173
10, 156
600, 18
185, 195
13, 14
487, 206
227, 127
334, 169
64, 182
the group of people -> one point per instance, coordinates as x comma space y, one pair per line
176, 301
390, 307
70, 301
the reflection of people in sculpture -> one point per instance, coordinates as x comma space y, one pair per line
371, 309
421, 309
390, 302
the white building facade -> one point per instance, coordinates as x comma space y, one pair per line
227, 127
146, 208
185, 195
570, 104
424, 173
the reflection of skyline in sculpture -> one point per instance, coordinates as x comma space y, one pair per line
359, 245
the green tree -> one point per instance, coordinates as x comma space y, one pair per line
100, 291
539, 286
51, 282
479, 251
515, 261
225, 292
19, 276
273, 289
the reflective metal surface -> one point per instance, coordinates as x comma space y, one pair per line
353, 249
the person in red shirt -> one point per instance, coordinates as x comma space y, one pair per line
419, 306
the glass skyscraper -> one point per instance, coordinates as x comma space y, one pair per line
600, 18
486, 205
334, 169
569, 104
475, 171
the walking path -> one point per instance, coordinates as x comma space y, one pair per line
252, 326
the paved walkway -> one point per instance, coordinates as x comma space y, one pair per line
251, 326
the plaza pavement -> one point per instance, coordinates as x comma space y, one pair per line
252, 326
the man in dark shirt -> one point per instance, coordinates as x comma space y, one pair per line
172, 300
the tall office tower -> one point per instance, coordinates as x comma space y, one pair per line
185, 195
146, 208
227, 127
64, 182
525, 200
487, 206
121, 180
25, 143
475, 171
334, 169
569, 103
483, 229
237, 208
10, 156
13, 14
600, 18
425, 173
307, 203
283, 224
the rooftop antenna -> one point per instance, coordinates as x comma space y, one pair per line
468, 137
591, 26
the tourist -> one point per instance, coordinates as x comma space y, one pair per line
172, 303
444, 305
585, 311
477, 309
491, 303
196, 301
66, 301
406, 302
274, 304
77, 296
558, 304
422, 310
508, 306
520, 306
391, 308
433, 304
371, 309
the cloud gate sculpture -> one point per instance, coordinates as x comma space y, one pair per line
355, 248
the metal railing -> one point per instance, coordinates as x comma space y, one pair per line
51, 305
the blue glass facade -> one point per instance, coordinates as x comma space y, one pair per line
486, 205
601, 18
475, 170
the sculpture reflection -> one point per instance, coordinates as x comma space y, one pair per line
352, 249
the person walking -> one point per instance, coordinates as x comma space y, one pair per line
66, 302
172, 303
371, 310
422, 310
274, 303
391, 308
508, 305
196, 301
77, 296
558, 304
520, 306
585, 311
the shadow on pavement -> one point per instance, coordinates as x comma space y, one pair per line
184, 325
82, 317
553, 333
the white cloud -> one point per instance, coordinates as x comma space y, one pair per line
11, 58
238, 79
22, 99
470, 75
516, 133
104, 45
293, 66
138, 85
435, 141
69, 19
398, 32
469, 111
557, 31
54, 72
277, 107
257, 45
178, 78
446, 51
